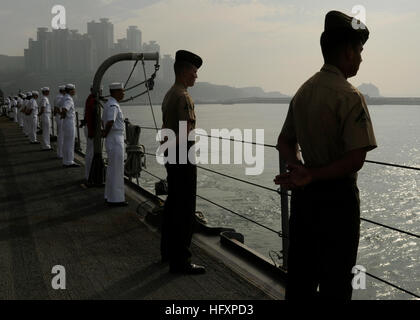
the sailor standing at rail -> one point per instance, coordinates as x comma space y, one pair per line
88, 124
329, 119
45, 115
58, 120
68, 115
19, 109
15, 107
28, 97
32, 112
179, 212
114, 127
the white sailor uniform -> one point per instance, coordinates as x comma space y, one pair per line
46, 122
59, 121
114, 143
33, 120
15, 114
68, 130
19, 113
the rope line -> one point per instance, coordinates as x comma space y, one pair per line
392, 228
234, 178
393, 165
389, 283
229, 210
132, 70
148, 94
273, 146
239, 215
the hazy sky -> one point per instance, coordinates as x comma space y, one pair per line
273, 44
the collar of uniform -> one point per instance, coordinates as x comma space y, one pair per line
180, 86
112, 101
333, 69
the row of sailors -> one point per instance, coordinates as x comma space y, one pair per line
24, 110
63, 111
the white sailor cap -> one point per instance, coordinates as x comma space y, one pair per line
45, 89
23, 96
70, 86
116, 85
28, 94
62, 87
35, 93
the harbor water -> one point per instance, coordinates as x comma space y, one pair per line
388, 195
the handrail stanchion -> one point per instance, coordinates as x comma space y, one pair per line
284, 203
52, 124
78, 132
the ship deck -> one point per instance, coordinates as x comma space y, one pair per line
48, 218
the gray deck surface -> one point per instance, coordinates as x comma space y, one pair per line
47, 218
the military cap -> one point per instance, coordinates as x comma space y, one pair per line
35, 93
29, 94
70, 86
45, 89
187, 56
23, 96
62, 87
337, 22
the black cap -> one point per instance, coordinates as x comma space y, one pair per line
187, 56
337, 22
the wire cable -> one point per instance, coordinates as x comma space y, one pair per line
132, 70
392, 228
389, 283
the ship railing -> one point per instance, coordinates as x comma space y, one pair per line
284, 232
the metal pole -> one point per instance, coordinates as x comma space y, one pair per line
52, 123
78, 148
96, 174
284, 203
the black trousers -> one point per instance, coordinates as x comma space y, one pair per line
179, 214
324, 237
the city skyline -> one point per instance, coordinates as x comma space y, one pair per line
273, 44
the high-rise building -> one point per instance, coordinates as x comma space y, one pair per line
79, 52
102, 35
167, 68
43, 38
60, 48
134, 39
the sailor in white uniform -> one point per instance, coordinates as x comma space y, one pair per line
14, 109
19, 109
45, 115
32, 112
25, 115
68, 115
113, 122
58, 120
9, 107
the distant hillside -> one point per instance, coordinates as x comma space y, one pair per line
203, 92
207, 92
369, 89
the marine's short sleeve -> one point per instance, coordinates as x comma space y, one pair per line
111, 113
288, 131
183, 108
358, 129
